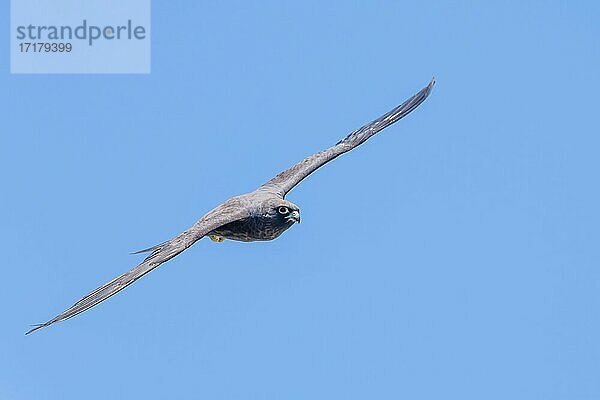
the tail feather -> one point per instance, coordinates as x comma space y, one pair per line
150, 249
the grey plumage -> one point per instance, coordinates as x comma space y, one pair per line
260, 215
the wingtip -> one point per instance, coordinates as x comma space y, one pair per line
431, 82
424, 93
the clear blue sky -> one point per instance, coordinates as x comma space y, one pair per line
454, 256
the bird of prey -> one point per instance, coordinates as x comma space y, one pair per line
263, 214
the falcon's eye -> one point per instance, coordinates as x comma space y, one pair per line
283, 210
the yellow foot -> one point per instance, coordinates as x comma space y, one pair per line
216, 238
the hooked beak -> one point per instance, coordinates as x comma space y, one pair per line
294, 216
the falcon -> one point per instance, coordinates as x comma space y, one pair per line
263, 214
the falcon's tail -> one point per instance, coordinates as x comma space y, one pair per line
149, 249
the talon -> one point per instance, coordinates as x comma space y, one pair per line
216, 238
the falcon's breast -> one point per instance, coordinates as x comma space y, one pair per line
252, 229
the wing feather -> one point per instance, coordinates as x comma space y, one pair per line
160, 253
286, 180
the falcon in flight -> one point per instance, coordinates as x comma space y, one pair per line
263, 214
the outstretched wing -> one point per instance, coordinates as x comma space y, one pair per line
286, 180
225, 213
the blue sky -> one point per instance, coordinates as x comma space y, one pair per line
455, 255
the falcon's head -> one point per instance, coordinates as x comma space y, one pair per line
286, 212
280, 213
